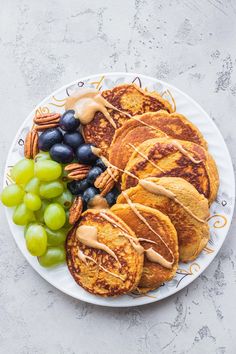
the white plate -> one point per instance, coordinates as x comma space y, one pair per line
221, 210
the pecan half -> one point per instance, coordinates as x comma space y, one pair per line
107, 180
31, 144
77, 171
75, 210
47, 120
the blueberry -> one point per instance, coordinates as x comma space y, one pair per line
112, 196
90, 193
62, 153
77, 187
85, 155
74, 139
68, 122
93, 174
74, 187
101, 164
48, 138
83, 184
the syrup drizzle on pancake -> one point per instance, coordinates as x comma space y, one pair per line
160, 190
174, 143
159, 259
83, 257
184, 152
145, 157
151, 254
86, 102
97, 152
88, 235
147, 125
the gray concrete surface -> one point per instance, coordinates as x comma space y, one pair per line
45, 44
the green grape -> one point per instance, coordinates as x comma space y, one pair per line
33, 186
54, 216
53, 256
36, 240
32, 201
65, 199
50, 190
42, 155
12, 195
22, 215
23, 171
47, 170
28, 225
39, 214
56, 237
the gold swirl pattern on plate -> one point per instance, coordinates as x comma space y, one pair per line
208, 250
193, 268
98, 83
61, 102
42, 110
8, 176
169, 95
218, 224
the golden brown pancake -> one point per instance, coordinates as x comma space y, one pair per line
154, 274
192, 231
128, 98
165, 158
148, 126
90, 275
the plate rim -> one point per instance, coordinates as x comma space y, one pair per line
142, 300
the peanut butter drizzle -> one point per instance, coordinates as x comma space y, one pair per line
135, 242
111, 221
86, 102
88, 236
138, 214
145, 157
151, 254
97, 152
185, 152
83, 257
148, 125
160, 190
156, 257
98, 203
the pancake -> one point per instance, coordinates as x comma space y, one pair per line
128, 98
103, 273
187, 211
174, 158
148, 126
154, 274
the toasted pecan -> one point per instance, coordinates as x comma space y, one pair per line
75, 210
77, 171
107, 180
41, 128
47, 118
46, 121
31, 144
108, 187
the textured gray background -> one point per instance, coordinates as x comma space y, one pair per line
46, 44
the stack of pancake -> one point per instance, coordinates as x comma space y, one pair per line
169, 180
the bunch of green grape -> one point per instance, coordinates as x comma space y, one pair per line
41, 201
